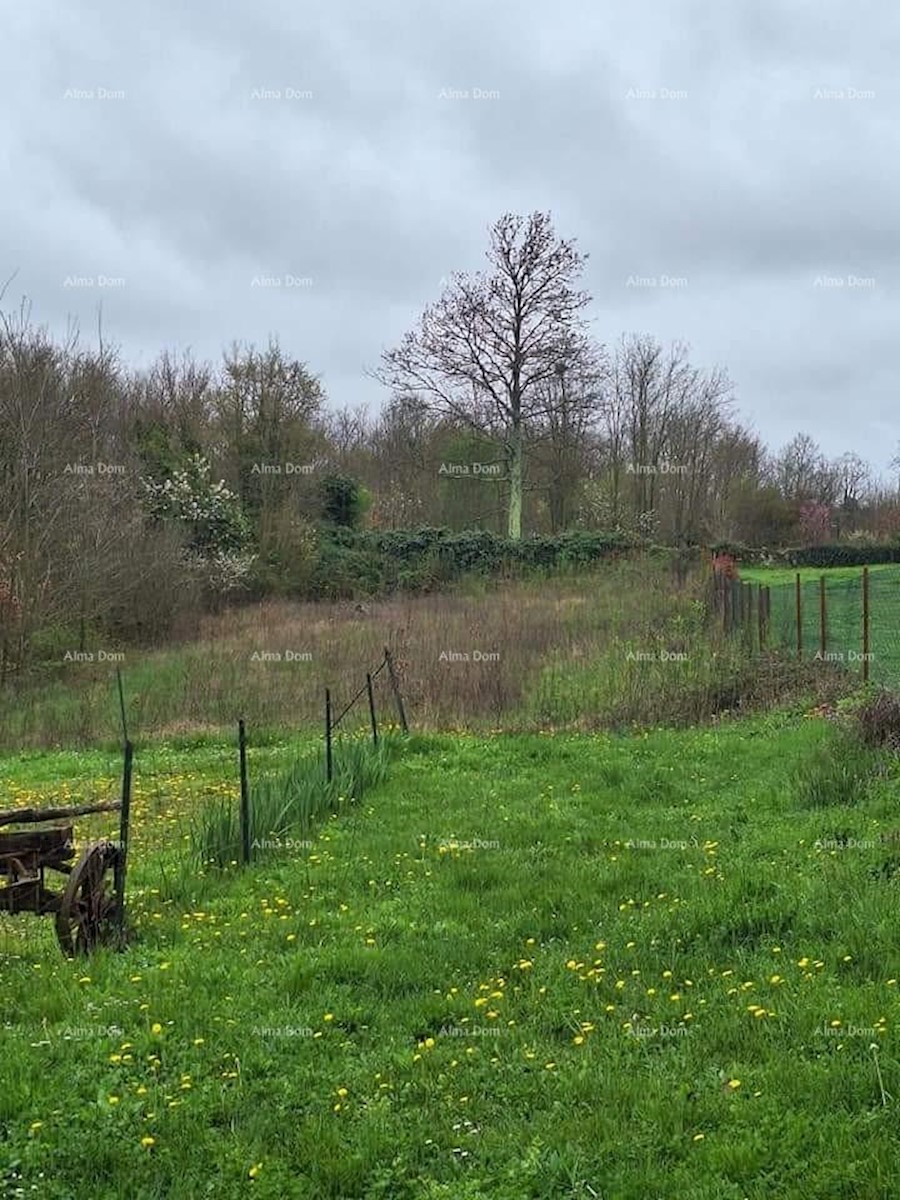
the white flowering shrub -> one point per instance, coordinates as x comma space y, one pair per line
218, 532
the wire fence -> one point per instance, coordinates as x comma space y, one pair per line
851, 622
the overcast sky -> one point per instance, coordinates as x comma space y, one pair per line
313, 171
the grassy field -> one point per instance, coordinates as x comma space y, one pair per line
525, 966
604, 649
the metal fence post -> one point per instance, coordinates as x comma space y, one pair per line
799, 620
328, 761
396, 689
865, 615
372, 709
122, 856
245, 791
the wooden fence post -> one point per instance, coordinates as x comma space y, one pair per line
245, 791
823, 638
768, 621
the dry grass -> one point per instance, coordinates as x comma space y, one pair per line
496, 655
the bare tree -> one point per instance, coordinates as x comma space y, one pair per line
485, 351
562, 435
660, 418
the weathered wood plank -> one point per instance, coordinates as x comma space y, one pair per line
42, 844
31, 816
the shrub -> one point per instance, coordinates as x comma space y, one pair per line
878, 720
840, 556
344, 501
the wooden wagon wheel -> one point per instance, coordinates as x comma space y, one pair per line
87, 911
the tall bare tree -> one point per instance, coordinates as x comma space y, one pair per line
485, 351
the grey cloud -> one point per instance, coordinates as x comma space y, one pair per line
723, 170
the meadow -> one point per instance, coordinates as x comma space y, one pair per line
687, 984
601, 649
617, 922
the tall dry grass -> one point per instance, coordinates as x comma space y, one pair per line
618, 645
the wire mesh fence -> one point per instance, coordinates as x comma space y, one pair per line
849, 621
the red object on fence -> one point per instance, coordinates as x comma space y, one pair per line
725, 565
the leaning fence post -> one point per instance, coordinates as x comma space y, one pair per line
328, 762
396, 689
799, 620
372, 709
122, 857
245, 791
865, 616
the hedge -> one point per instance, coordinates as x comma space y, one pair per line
821, 556
355, 563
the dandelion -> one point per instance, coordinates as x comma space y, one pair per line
148, 1141
255, 1170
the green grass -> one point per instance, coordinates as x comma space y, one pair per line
396, 1012
283, 808
844, 615
776, 576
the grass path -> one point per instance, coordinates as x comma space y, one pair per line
534, 966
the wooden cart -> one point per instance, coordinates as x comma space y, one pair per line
90, 909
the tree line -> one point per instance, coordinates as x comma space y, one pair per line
131, 501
